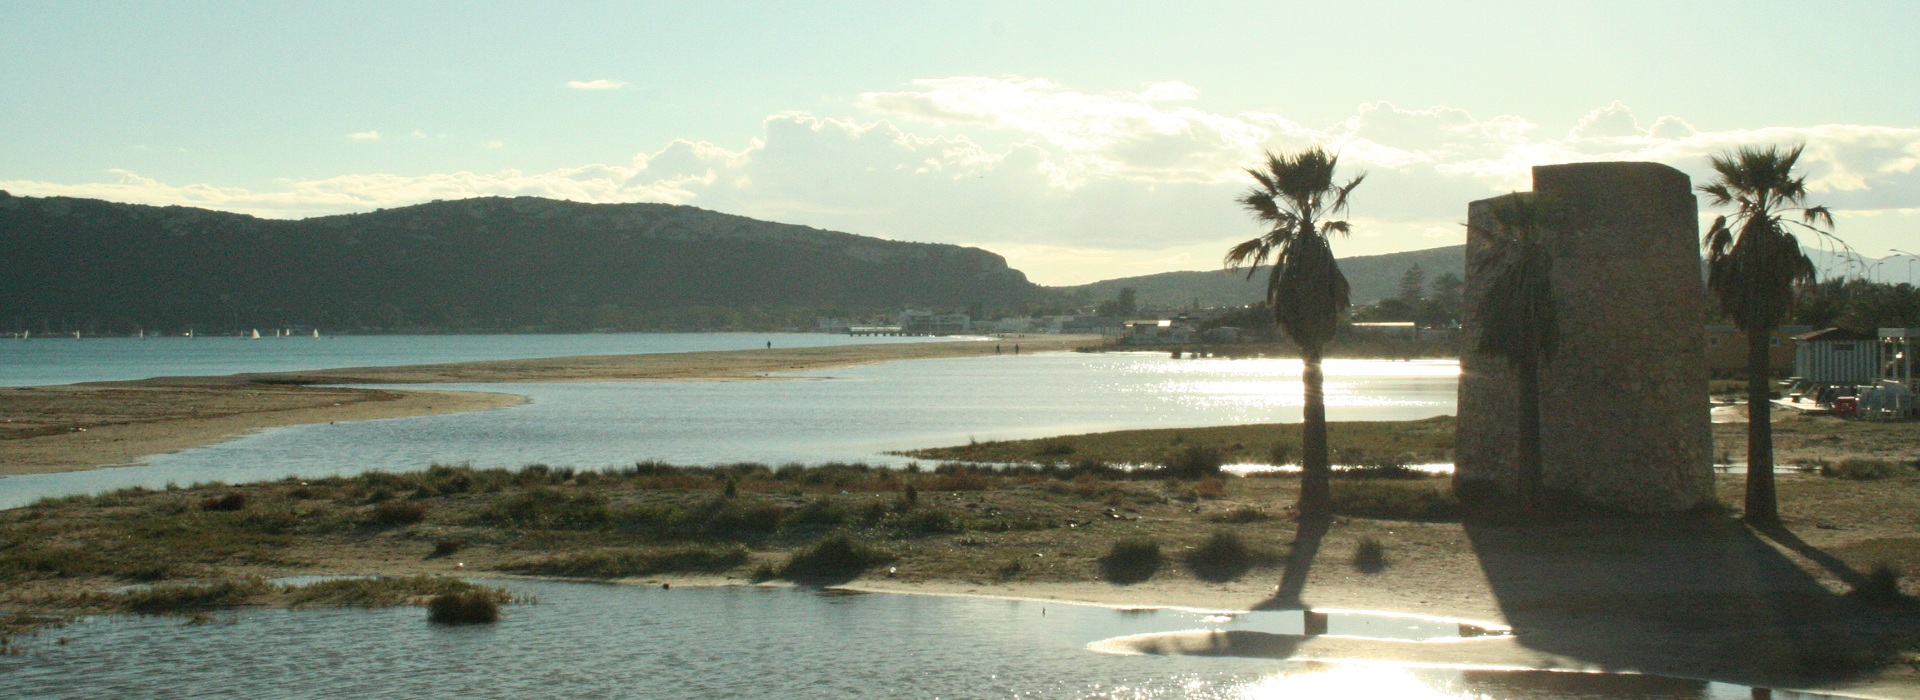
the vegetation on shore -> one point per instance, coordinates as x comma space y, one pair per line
1366, 443
214, 546
197, 550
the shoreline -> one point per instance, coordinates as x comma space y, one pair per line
1699, 596
77, 427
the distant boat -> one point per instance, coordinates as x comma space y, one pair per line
143, 334
316, 334
256, 334
76, 335
189, 332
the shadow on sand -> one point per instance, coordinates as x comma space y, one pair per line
1685, 595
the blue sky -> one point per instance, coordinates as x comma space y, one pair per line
1082, 140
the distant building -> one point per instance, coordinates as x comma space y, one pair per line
1221, 334
1727, 350
929, 323
1157, 332
1836, 356
1090, 325
1389, 329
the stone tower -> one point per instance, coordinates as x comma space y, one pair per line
1624, 400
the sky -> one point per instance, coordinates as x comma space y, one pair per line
1081, 140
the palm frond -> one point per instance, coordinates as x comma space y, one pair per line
1305, 287
1817, 216
1754, 263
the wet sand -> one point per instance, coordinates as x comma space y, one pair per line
88, 426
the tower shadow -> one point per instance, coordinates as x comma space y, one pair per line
1690, 595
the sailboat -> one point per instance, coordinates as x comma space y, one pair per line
316, 334
256, 334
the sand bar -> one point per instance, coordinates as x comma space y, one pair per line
87, 426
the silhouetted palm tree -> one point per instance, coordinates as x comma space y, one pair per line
1517, 321
1754, 264
1305, 289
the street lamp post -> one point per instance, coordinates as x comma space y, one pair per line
1911, 260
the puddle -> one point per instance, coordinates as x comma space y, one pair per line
1268, 633
1358, 624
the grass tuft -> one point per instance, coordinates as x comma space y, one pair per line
1223, 557
1131, 560
463, 608
1195, 461
836, 557
1370, 556
635, 561
1426, 500
396, 513
384, 591
188, 597
1881, 587
232, 501
1240, 515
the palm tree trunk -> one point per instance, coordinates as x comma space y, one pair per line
1316, 493
1532, 470
1762, 505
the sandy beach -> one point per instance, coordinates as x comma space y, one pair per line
87, 426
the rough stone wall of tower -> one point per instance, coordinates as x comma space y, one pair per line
1624, 399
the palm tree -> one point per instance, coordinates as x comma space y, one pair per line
1305, 289
1517, 317
1754, 265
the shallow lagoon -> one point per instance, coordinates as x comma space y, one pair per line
845, 414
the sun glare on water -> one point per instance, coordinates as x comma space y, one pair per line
1347, 682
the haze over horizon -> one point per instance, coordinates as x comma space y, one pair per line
1083, 141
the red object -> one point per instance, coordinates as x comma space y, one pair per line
1846, 406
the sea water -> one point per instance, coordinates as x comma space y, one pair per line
66, 360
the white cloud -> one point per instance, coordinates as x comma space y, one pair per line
365, 135
1068, 183
601, 84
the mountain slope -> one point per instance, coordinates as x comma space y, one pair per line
489, 262
1373, 277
